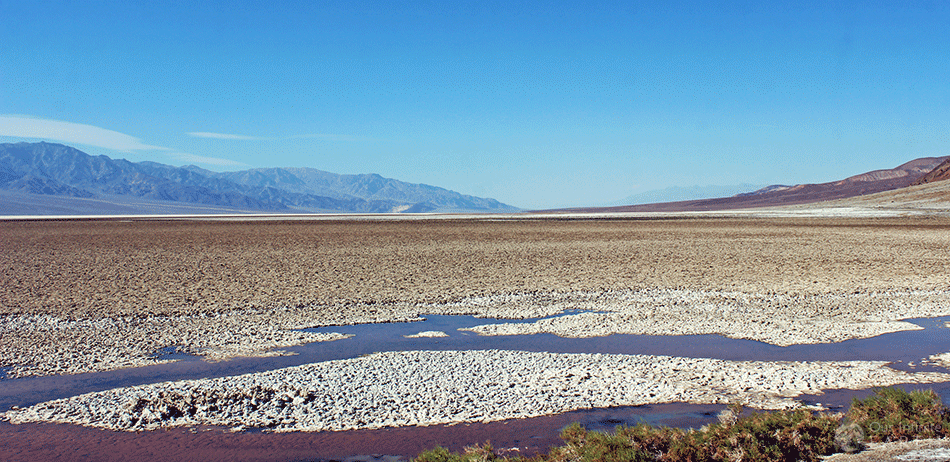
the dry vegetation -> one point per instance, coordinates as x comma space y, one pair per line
892, 415
88, 269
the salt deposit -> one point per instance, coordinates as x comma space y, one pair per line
772, 318
37, 345
428, 334
441, 387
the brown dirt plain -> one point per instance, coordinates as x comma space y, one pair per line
88, 269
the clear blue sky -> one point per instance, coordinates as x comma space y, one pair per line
537, 104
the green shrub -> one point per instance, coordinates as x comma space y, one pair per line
776, 436
890, 414
893, 414
587, 446
470, 454
438, 454
654, 441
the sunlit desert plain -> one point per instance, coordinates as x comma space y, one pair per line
571, 313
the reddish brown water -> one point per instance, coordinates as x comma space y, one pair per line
57, 442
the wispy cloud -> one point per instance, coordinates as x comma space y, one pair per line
328, 137
314, 136
191, 158
226, 136
32, 127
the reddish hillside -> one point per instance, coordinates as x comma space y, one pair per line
858, 185
942, 172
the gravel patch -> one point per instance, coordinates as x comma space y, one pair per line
937, 455
930, 450
91, 269
440, 387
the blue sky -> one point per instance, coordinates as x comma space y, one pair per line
536, 104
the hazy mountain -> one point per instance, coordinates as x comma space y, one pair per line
365, 186
47, 169
54, 169
685, 193
777, 195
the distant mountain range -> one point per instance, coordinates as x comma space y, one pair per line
684, 193
48, 178
923, 169
53, 179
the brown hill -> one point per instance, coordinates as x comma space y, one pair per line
940, 173
772, 196
933, 196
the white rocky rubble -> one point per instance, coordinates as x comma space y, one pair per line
35, 345
779, 319
441, 387
427, 334
942, 360
38, 345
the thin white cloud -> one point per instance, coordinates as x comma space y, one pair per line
315, 136
32, 127
225, 136
328, 137
191, 158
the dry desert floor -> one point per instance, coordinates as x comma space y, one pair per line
91, 269
97, 295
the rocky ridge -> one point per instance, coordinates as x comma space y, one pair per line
939, 173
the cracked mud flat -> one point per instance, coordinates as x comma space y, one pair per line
440, 387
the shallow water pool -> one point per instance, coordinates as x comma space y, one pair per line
901, 349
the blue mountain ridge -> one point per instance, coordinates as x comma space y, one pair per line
38, 170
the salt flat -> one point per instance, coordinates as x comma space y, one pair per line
38, 345
93, 269
441, 387
95, 295
778, 319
